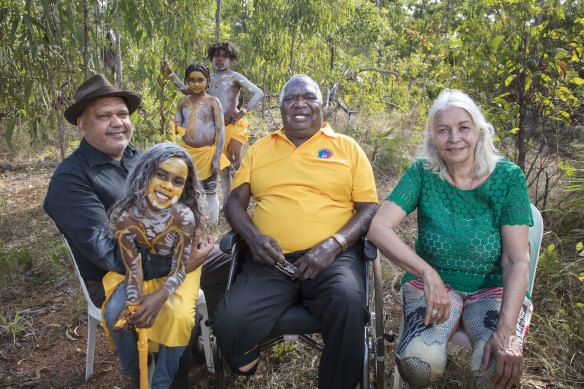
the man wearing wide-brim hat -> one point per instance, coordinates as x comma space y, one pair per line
91, 179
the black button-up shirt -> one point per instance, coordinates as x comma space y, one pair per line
84, 186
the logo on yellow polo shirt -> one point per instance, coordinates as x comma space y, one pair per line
324, 154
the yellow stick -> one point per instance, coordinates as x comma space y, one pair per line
142, 348
173, 131
143, 357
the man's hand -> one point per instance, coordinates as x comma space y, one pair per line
235, 162
316, 259
150, 306
508, 359
165, 66
199, 251
237, 116
266, 250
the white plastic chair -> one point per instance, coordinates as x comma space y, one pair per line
460, 338
94, 315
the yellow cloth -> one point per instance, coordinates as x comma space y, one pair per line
305, 194
203, 158
237, 131
176, 318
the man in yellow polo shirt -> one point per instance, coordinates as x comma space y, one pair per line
315, 197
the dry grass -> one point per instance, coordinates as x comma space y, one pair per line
41, 302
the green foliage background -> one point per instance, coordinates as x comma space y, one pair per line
523, 61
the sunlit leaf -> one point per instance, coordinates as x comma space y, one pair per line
496, 42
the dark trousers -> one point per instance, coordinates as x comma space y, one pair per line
336, 298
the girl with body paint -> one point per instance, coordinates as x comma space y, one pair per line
201, 116
158, 212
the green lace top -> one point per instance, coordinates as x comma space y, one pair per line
459, 230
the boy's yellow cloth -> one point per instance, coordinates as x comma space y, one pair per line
237, 131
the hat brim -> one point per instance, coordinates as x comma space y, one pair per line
132, 100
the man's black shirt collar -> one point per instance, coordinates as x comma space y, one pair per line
95, 157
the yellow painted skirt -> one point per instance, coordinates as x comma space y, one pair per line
176, 318
237, 131
203, 157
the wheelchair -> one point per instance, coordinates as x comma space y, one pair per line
297, 323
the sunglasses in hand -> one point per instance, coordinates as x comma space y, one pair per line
288, 269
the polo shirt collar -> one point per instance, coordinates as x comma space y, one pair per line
96, 157
326, 129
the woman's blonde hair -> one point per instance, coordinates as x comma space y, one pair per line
485, 155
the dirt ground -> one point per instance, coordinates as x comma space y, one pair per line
43, 305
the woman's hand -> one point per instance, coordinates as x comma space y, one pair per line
150, 306
508, 359
437, 300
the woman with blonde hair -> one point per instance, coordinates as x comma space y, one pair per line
471, 259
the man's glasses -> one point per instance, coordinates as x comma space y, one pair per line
288, 269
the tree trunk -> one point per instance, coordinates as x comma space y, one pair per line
218, 20
56, 103
56, 24
244, 18
292, 52
162, 87
332, 56
98, 39
85, 42
118, 49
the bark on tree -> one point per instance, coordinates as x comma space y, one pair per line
97, 37
56, 24
292, 52
118, 49
162, 88
85, 43
218, 20
332, 57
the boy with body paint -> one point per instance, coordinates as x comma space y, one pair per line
201, 115
158, 212
225, 85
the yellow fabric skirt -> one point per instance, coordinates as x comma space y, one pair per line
176, 318
203, 157
237, 131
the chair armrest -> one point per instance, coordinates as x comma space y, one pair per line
369, 250
227, 241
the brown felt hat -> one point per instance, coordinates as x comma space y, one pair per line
94, 88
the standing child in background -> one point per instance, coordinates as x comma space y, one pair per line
226, 85
159, 212
202, 117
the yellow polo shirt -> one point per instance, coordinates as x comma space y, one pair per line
305, 194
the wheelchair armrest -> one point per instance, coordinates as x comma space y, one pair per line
369, 250
227, 241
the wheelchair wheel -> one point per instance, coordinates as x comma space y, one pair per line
373, 366
378, 327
